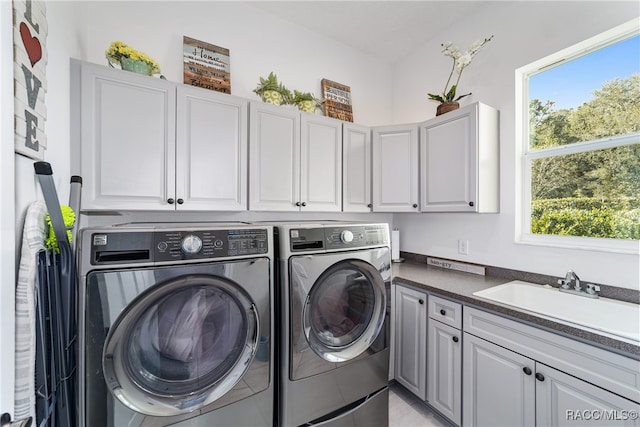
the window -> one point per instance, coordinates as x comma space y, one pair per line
580, 126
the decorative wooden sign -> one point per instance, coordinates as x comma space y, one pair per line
337, 100
29, 71
206, 65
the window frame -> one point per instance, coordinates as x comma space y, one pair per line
524, 156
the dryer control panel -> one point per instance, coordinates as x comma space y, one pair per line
356, 236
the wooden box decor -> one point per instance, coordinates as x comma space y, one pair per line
30, 29
337, 100
206, 65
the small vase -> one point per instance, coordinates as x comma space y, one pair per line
307, 106
271, 97
445, 107
136, 66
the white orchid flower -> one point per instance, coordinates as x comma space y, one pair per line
460, 62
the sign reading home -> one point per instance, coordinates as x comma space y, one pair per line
337, 100
30, 84
206, 65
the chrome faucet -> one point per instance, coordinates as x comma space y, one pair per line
571, 283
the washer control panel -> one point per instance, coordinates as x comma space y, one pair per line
203, 244
132, 247
356, 236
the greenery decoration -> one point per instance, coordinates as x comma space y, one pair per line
118, 50
272, 91
460, 62
69, 218
306, 101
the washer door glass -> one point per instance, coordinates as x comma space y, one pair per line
344, 310
181, 345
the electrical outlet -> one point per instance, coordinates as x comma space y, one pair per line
463, 247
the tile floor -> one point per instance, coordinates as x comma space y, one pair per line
406, 410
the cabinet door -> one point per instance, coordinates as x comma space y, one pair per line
211, 166
444, 370
320, 164
459, 161
274, 158
496, 389
395, 168
356, 168
563, 400
410, 340
448, 157
126, 139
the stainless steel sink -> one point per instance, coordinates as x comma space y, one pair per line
618, 318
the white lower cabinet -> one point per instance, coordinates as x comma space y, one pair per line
496, 390
502, 387
477, 368
444, 370
411, 339
563, 400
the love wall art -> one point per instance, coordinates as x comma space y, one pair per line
29, 71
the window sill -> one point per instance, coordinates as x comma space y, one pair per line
631, 247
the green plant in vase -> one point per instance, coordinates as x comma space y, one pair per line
305, 101
273, 92
130, 59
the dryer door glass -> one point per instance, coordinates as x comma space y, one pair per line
344, 310
180, 345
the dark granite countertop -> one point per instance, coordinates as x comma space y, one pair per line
460, 286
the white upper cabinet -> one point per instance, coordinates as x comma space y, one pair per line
123, 138
459, 161
320, 163
274, 158
356, 168
211, 155
395, 168
295, 160
143, 143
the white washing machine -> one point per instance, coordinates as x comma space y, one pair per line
334, 301
175, 325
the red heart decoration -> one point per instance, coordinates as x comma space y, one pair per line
31, 44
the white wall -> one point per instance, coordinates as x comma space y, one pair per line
258, 43
524, 32
7, 233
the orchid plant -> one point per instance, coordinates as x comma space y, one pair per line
460, 62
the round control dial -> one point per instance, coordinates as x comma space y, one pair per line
191, 244
346, 236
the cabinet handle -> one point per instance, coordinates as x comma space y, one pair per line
455, 339
471, 204
304, 204
415, 205
298, 204
539, 376
180, 201
526, 370
170, 201
443, 312
369, 205
421, 301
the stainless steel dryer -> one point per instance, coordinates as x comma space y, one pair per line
175, 325
334, 281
